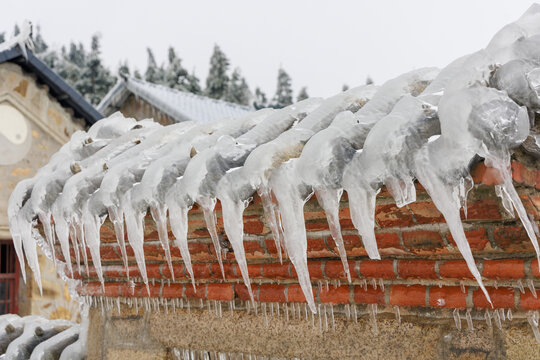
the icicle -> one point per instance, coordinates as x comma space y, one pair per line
532, 318
520, 286
457, 319
208, 206
159, 214
178, 219
271, 216
373, 317
469, 319
329, 201
487, 316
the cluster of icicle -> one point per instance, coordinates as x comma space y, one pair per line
36, 338
23, 39
427, 125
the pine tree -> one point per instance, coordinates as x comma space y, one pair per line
217, 80
283, 96
302, 95
238, 90
2, 37
154, 73
16, 30
345, 87
95, 80
194, 85
176, 77
259, 101
137, 74
123, 69
40, 46
369, 80
76, 54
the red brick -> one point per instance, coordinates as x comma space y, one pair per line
198, 248
504, 269
485, 209
91, 288
377, 269
333, 269
174, 290
198, 292
387, 240
108, 252
155, 289
228, 269
339, 295
477, 239
314, 268
153, 270
295, 294
390, 215
317, 248
201, 271
420, 269
501, 298
368, 296
350, 242
242, 293
487, 176
512, 239
317, 224
276, 271
528, 301
522, 174
425, 212
455, 269
272, 250
534, 268
448, 297
272, 293
254, 270
423, 242
253, 249
253, 225
221, 292
403, 295
178, 269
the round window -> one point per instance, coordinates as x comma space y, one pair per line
15, 139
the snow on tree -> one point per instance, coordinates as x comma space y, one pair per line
154, 73
302, 94
16, 30
259, 101
238, 89
2, 37
345, 87
40, 46
217, 80
137, 74
95, 79
176, 76
194, 85
283, 96
123, 69
369, 80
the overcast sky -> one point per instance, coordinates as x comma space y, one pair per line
321, 44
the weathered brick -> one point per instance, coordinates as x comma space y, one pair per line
484, 209
501, 298
339, 295
317, 248
272, 293
242, 293
368, 296
476, 238
276, 271
455, 269
528, 301
173, 290
390, 215
333, 269
221, 292
377, 269
420, 269
447, 296
423, 242
408, 295
512, 239
486, 175
314, 268
425, 212
504, 269
295, 293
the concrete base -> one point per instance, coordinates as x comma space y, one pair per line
155, 335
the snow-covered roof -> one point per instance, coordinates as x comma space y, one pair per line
426, 125
177, 104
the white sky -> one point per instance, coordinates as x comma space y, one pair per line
321, 44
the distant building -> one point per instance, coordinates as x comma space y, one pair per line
38, 113
140, 99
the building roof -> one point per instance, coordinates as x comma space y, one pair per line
177, 104
58, 87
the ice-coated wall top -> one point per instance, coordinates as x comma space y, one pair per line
426, 125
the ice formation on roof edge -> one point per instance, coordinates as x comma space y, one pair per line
23, 39
476, 106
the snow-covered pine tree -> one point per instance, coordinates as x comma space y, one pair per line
2, 37
238, 90
176, 77
123, 69
283, 96
369, 80
217, 80
96, 80
154, 73
259, 101
302, 94
345, 87
194, 85
40, 46
137, 74
16, 30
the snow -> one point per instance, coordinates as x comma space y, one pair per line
427, 125
23, 39
179, 105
